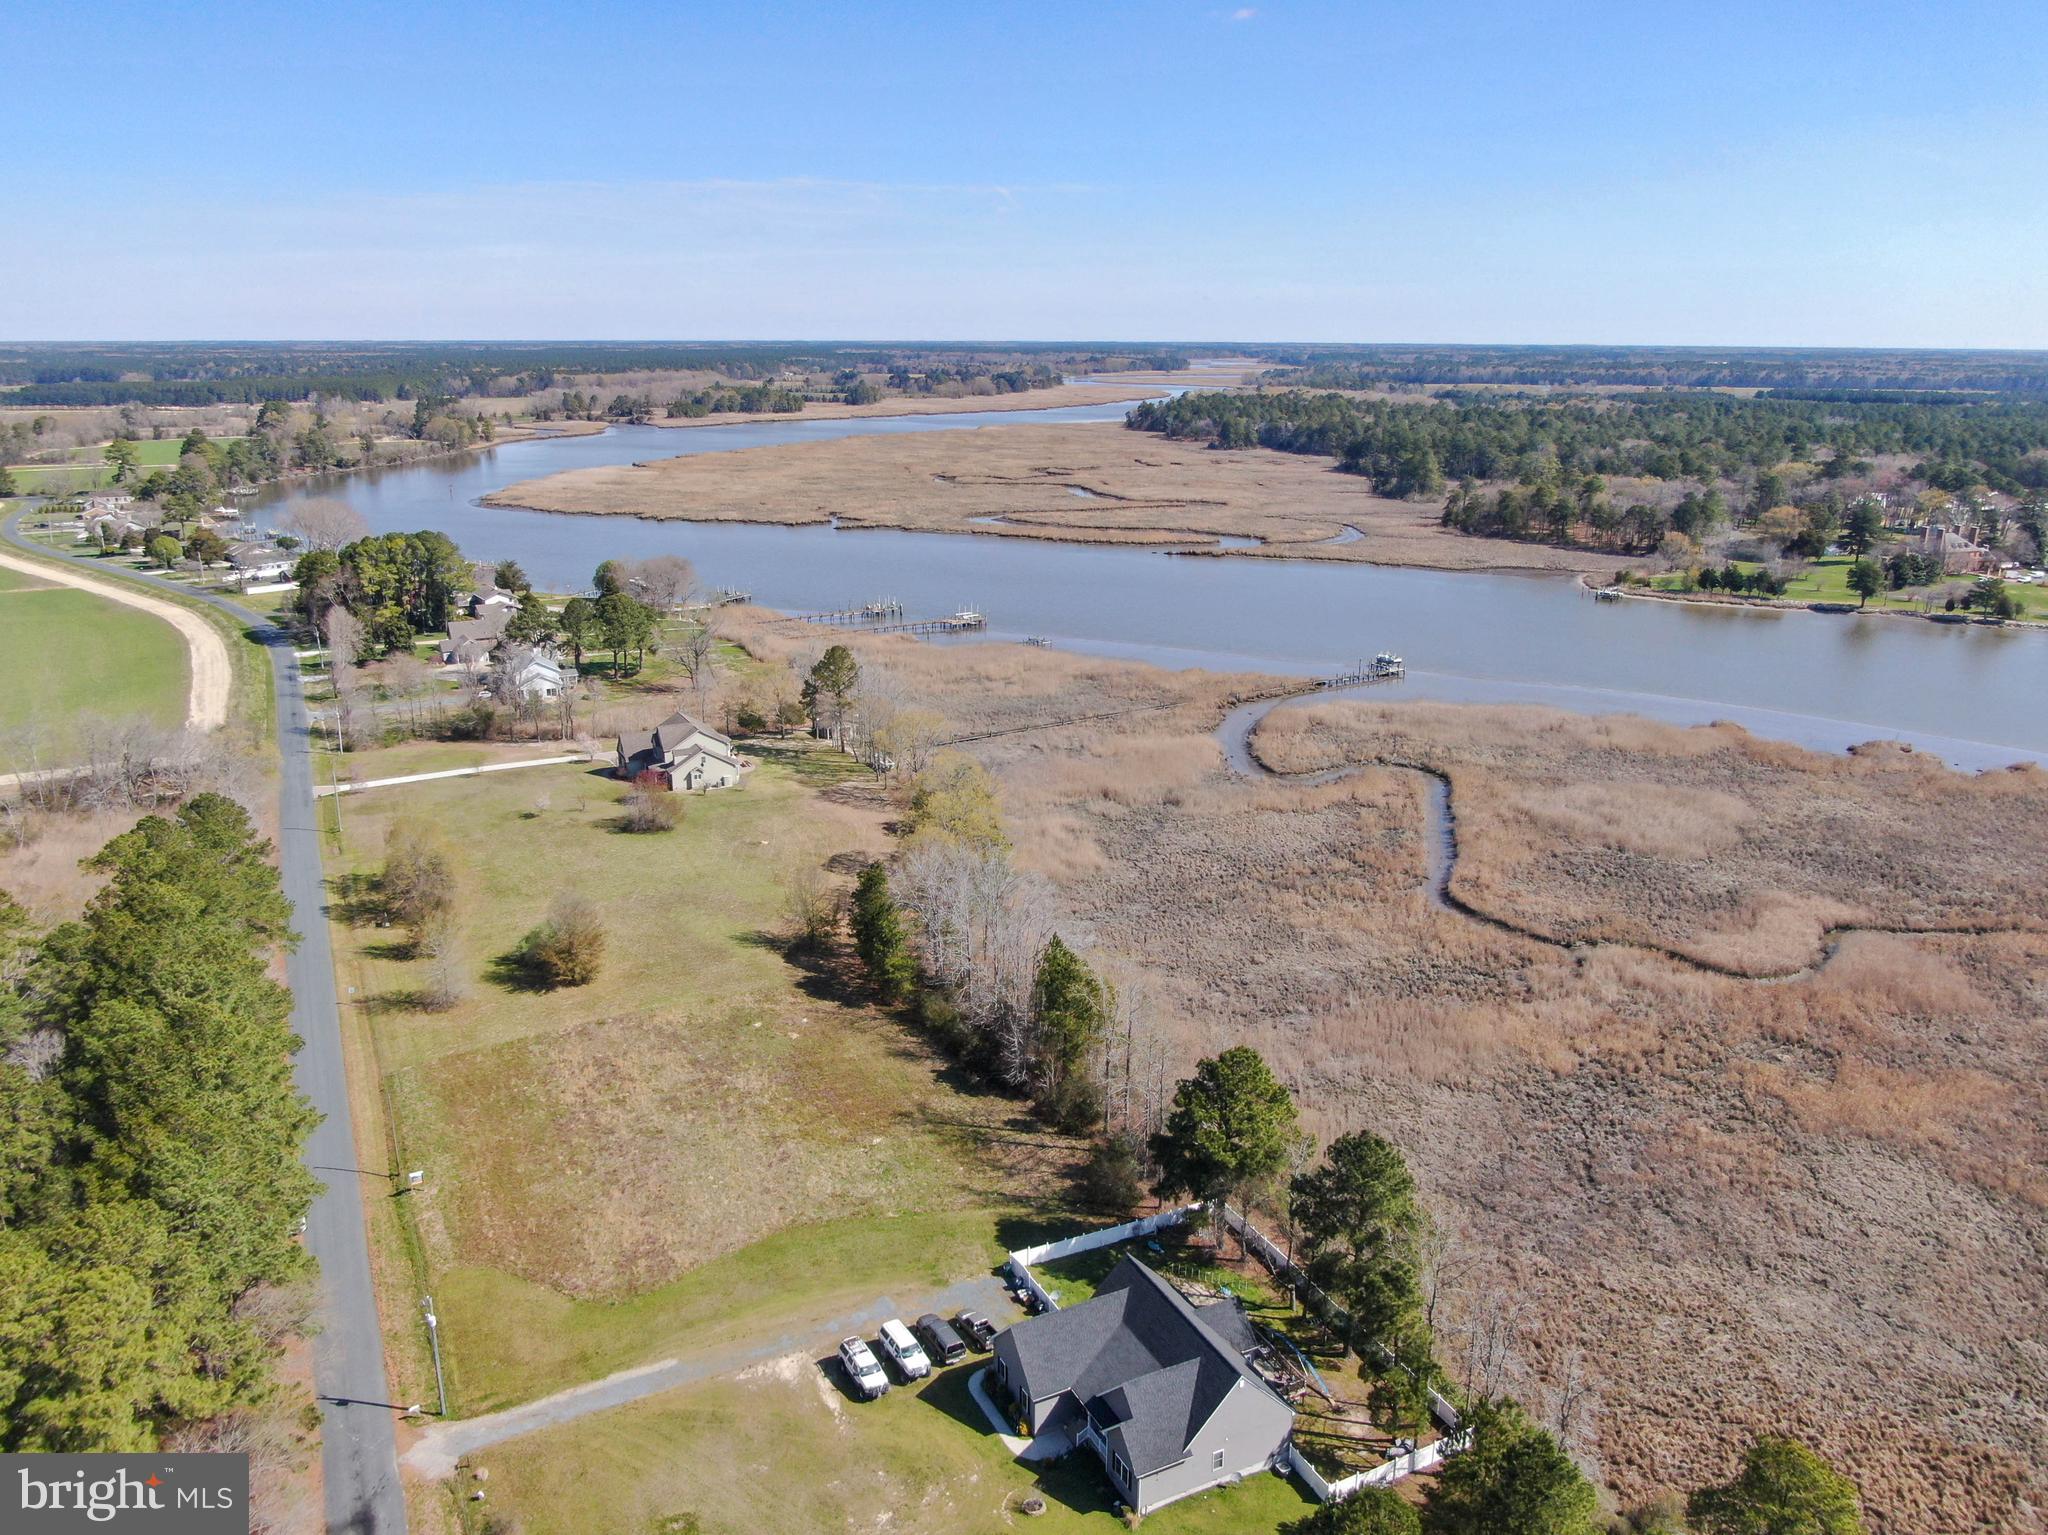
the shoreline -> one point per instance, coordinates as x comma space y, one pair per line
1830, 609
1192, 546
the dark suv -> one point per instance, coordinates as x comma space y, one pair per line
940, 1341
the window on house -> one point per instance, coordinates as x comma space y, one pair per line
1216, 1461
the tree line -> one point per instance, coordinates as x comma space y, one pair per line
1410, 448
150, 1182
1775, 368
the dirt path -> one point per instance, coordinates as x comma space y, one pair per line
207, 706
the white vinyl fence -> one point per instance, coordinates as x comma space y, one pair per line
1283, 1268
1048, 1252
1379, 1476
1313, 1297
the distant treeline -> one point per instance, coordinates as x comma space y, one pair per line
244, 374
1370, 367
1411, 448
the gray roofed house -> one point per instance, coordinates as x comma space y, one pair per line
686, 752
534, 672
471, 638
1152, 1384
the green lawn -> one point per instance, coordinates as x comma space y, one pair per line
67, 655
708, 1137
1827, 580
782, 1448
1072, 1280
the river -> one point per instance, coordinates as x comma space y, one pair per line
1976, 696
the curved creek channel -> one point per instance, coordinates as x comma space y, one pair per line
1237, 737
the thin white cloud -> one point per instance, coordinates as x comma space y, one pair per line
1244, 13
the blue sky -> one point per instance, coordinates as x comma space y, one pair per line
1816, 174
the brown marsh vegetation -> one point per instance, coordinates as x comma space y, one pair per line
1727, 1206
1052, 398
1088, 483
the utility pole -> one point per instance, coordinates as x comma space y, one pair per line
434, 1337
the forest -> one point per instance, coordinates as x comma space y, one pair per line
249, 373
1413, 448
1379, 367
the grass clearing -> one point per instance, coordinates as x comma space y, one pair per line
1827, 580
921, 1461
709, 1136
69, 654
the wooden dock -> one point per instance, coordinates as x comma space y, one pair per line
1381, 668
887, 610
952, 623
886, 617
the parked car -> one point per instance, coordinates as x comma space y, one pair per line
900, 1346
941, 1343
863, 1369
977, 1329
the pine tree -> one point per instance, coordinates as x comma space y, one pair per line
878, 936
1069, 1010
1782, 1489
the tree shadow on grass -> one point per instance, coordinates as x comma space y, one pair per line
387, 1004
355, 900
513, 971
824, 974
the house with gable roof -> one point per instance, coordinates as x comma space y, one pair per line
1158, 1388
686, 752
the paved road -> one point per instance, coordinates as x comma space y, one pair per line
359, 1453
435, 1453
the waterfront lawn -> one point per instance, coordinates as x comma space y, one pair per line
707, 1138
1827, 580
783, 1447
69, 655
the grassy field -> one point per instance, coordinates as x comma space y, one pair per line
709, 1137
88, 469
1827, 580
920, 1461
69, 654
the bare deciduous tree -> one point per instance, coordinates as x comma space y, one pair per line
909, 741
325, 523
665, 581
982, 925
811, 905
344, 667
698, 653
